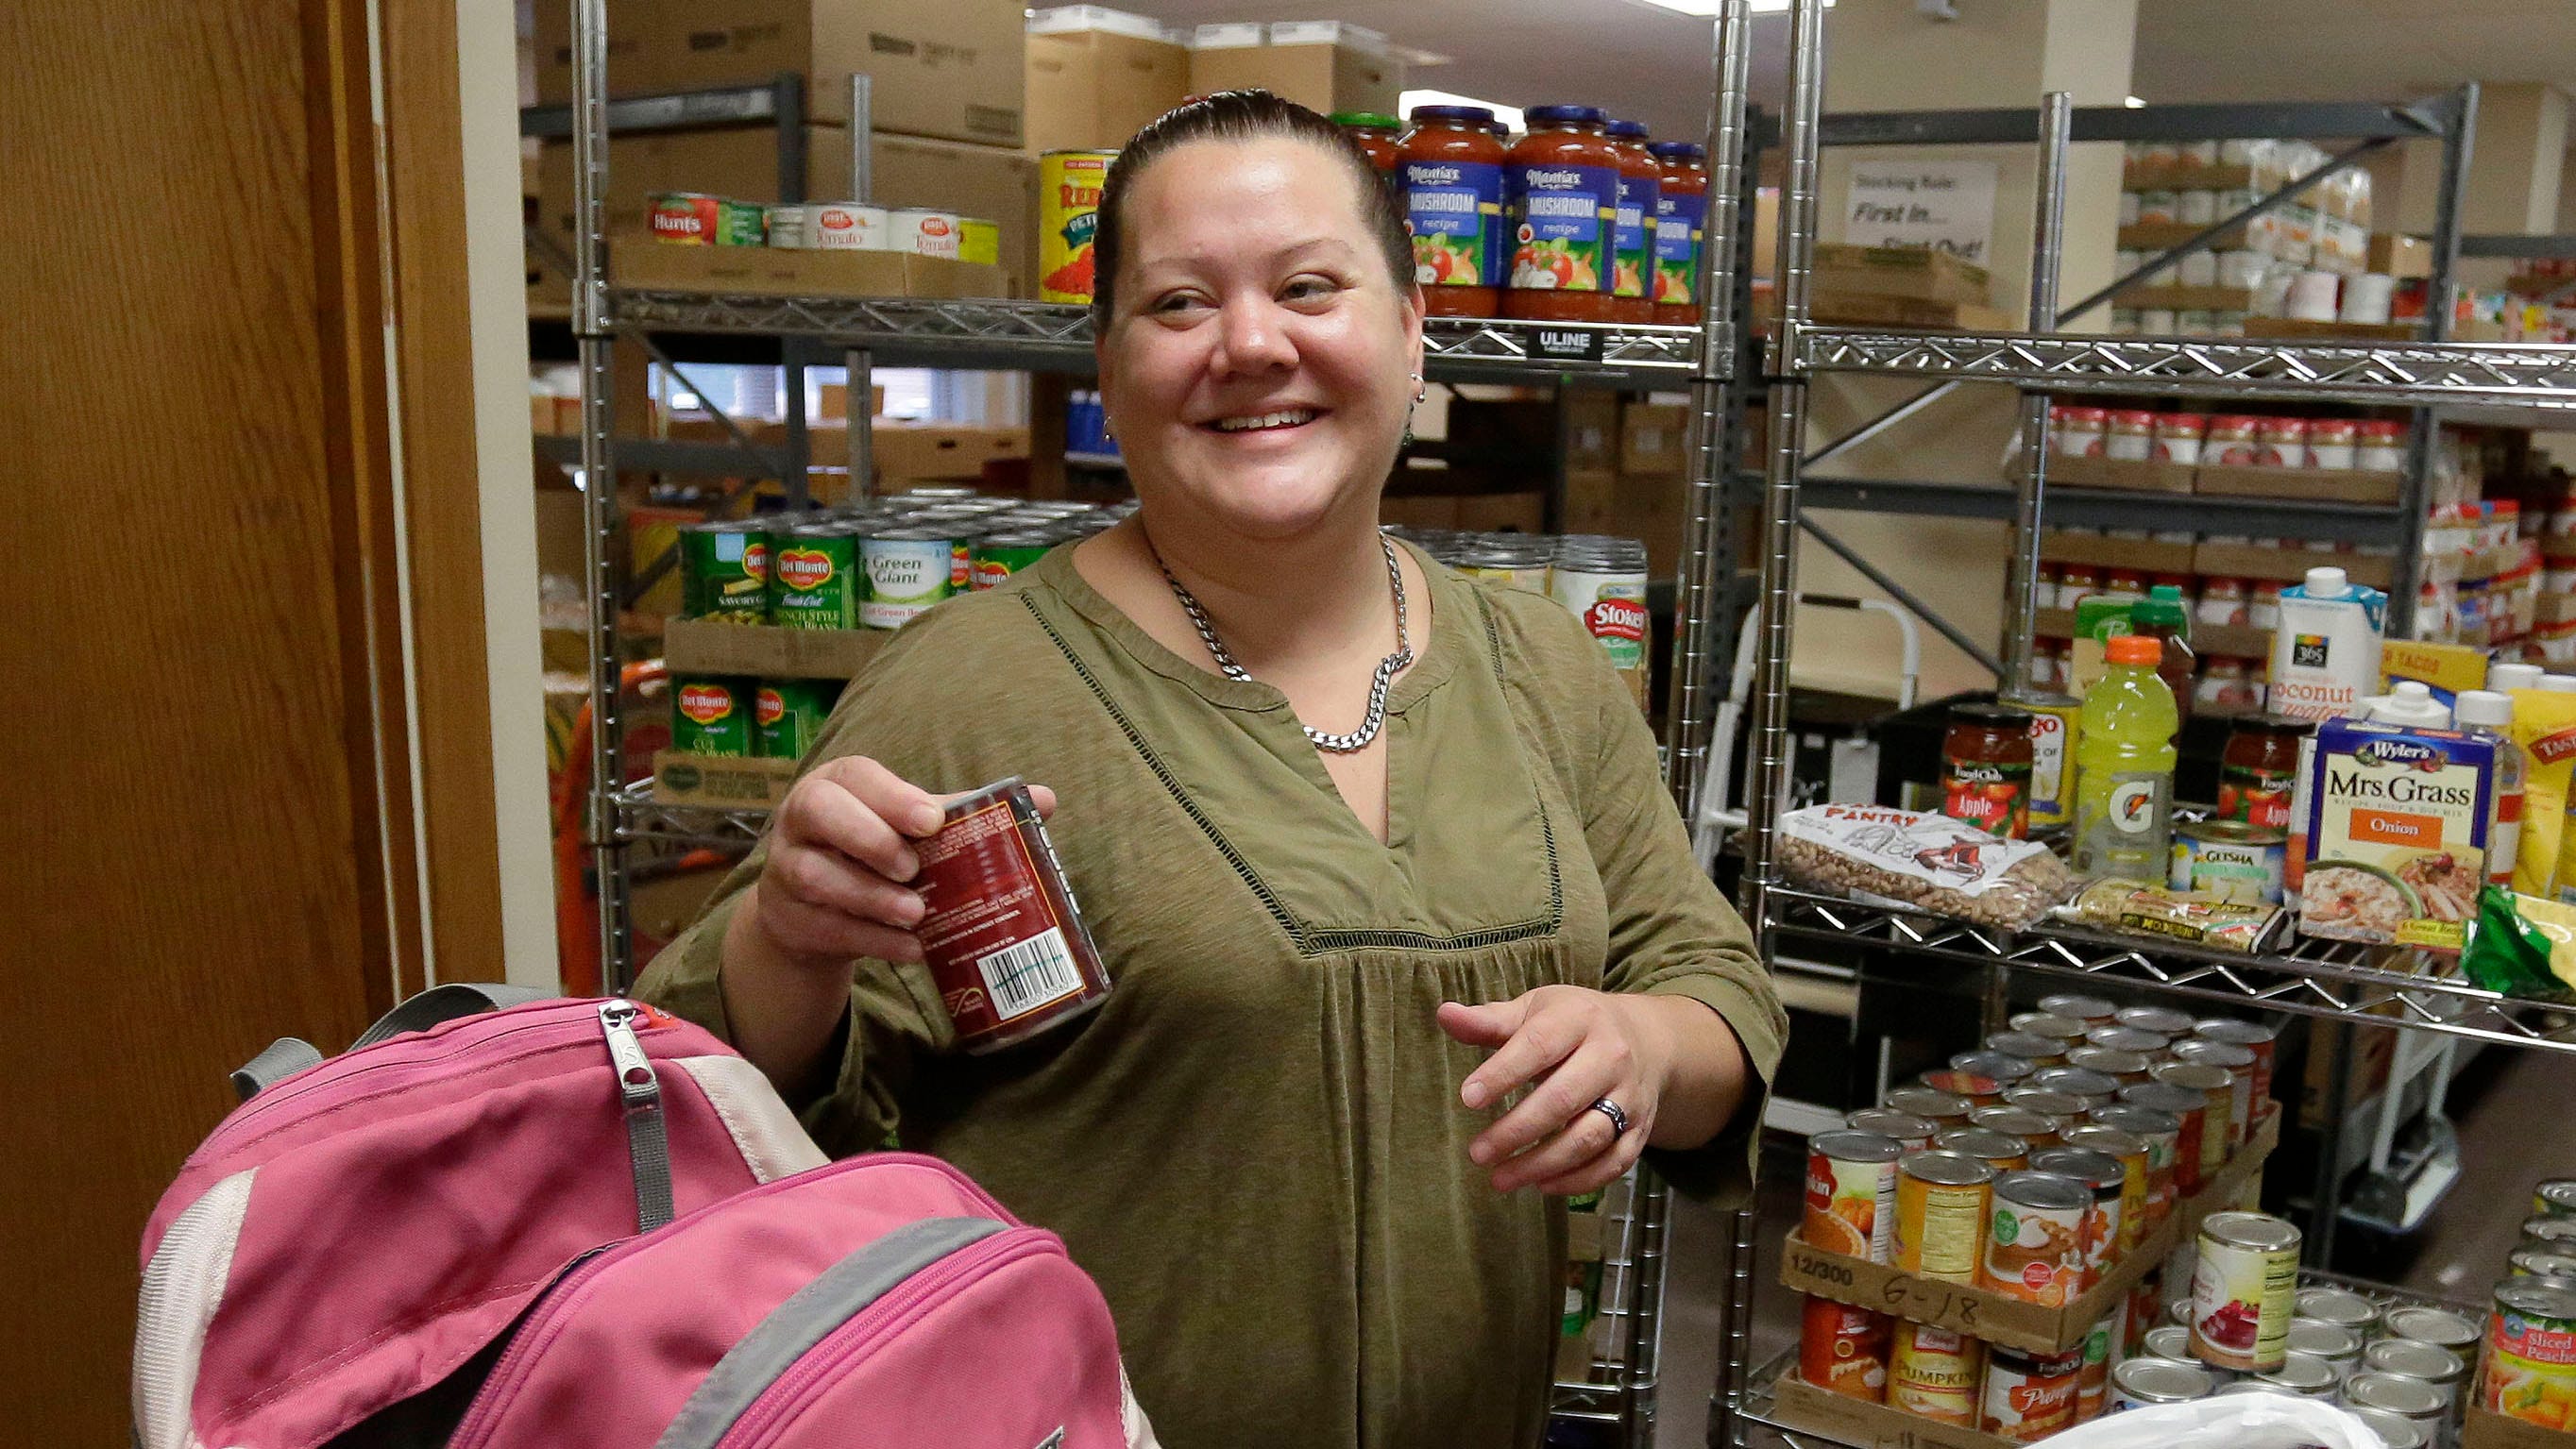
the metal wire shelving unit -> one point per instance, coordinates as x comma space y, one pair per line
1619, 1400
2337, 986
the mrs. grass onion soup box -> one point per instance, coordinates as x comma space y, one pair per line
2397, 834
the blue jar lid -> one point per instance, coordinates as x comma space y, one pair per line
1628, 130
1472, 115
1677, 150
1563, 116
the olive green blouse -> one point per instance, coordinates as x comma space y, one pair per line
1255, 1144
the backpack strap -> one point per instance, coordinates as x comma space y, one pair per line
792, 1329
288, 1055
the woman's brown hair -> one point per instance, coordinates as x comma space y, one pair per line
1240, 116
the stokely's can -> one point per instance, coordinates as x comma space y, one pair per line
2143, 1383
2164, 1021
711, 714
2119, 1038
788, 715
2255, 1037
2106, 1177
2066, 1031
2057, 1106
2190, 1112
1980, 1090
2527, 1369
2242, 1291
909, 571
2125, 1069
2096, 1088
1605, 588
2034, 1248
1844, 1350
1933, 1373
724, 572
2217, 1087
923, 232
846, 226
1851, 1195
1069, 185
2028, 1396
2053, 720
1912, 1133
999, 928
2554, 1197
2129, 1151
999, 555
1941, 1214
2231, 861
814, 577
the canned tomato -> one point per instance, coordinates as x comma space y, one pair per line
847, 226
2255, 1037
999, 928
2035, 1129
1851, 1195
2143, 1383
2039, 1051
1933, 1373
724, 571
1844, 1350
2528, 1370
2028, 1396
788, 715
2554, 1198
814, 577
2243, 1107
2345, 1310
2242, 1291
2337, 1347
2034, 1248
2230, 861
2092, 1011
2446, 1371
696, 219
1999, 1150
2217, 1087
1000, 555
909, 571
1069, 185
923, 232
1944, 1109
2136, 1162
711, 715
2106, 1178
1908, 1131
1941, 1214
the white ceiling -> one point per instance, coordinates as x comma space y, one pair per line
1648, 62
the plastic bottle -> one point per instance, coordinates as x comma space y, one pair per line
2487, 715
2163, 616
2125, 758
2559, 683
2504, 677
2410, 703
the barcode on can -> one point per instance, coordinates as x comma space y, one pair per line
1029, 975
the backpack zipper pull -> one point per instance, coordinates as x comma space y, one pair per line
648, 1146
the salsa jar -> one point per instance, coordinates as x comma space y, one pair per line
1449, 175
1562, 185
1632, 228
2259, 771
1375, 135
1681, 223
1986, 759
2230, 441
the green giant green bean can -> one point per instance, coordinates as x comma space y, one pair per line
788, 714
909, 570
815, 581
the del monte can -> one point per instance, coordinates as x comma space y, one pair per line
711, 715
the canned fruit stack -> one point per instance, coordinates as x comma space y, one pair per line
691, 218
2526, 1356
2032, 1169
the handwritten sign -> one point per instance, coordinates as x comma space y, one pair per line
1946, 205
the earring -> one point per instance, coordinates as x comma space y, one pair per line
1421, 389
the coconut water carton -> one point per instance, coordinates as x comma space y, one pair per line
2325, 653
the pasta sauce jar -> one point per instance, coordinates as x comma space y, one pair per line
1562, 181
1449, 173
1374, 135
999, 928
1632, 229
2259, 771
1681, 221
1985, 769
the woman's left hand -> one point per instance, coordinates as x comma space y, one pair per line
1578, 1046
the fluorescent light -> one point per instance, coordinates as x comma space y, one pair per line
1510, 116
1711, 7
2133, 103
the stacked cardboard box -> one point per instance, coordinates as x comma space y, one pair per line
1902, 287
1096, 76
1323, 65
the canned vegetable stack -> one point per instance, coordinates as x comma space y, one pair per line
690, 218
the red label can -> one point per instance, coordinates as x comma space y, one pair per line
1843, 1349
1004, 941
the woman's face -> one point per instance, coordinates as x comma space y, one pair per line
1256, 370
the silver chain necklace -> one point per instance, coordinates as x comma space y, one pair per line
1387, 668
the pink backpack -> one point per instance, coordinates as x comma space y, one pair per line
354, 1251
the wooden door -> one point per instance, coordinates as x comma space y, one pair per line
208, 835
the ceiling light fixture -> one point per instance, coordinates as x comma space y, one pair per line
1510, 116
2133, 103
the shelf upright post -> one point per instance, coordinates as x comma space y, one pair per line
788, 103
2424, 432
2047, 242
858, 387
601, 526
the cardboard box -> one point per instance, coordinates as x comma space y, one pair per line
1508, 432
2552, 609
1917, 273
1419, 510
2448, 668
2486, 1429
721, 782
1093, 89
2293, 329
2144, 555
1845, 1420
948, 68
1867, 309
634, 50
1321, 65
931, 451
2284, 565
2323, 485
2192, 299
2187, 176
1503, 512
2121, 473
706, 646
1591, 428
1654, 439
2399, 256
1981, 1313
1645, 507
2158, 236
767, 272
996, 184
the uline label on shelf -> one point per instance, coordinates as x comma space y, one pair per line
1567, 344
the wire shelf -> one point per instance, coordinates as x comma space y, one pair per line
640, 817
1055, 337
2422, 374
2315, 978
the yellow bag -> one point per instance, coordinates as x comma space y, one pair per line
2544, 724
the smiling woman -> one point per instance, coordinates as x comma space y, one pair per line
1405, 937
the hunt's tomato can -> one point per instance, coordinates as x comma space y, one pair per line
1001, 933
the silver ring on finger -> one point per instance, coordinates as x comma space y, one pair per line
1618, 1117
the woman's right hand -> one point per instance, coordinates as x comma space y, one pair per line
837, 885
